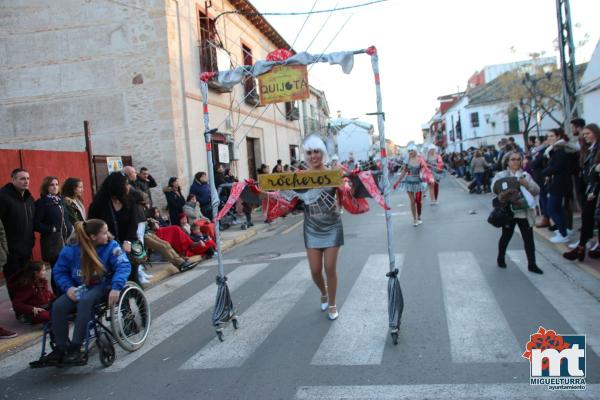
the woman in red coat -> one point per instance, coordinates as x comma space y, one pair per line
30, 293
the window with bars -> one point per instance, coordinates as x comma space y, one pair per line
250, 90
475, 119
208, 43
513, 120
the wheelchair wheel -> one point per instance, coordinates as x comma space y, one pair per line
106, 349
130, 318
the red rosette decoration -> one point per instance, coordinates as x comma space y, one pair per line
275, 206
206, 76
543, 340
371, 51
350, 203
279, 55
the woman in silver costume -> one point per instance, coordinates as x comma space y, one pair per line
323, 231
414, 178
436, 165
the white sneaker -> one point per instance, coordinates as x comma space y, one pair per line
558, 238
143, 280
595, 246
419, 222
415, 224
142, 272
574, 245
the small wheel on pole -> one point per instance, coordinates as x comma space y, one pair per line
220, 335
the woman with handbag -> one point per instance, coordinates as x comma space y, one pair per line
523, 214
51, 221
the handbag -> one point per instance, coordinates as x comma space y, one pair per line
51, 244
501, 215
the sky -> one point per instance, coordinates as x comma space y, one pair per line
427, 48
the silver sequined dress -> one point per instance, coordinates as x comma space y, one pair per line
322, 220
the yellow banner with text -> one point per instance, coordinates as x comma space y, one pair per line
301, 180
283, 83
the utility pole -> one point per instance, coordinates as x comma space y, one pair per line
567, 63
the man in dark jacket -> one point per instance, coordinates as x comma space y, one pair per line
201, 189
145, 182
17, 210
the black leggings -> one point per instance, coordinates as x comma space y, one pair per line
526, 232
587, 221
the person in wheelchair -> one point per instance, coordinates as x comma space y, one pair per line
87, 270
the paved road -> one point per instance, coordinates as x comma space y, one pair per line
464, 328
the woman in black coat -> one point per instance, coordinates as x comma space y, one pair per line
558, 182
590, 156
115, 205
175, 200
51, 219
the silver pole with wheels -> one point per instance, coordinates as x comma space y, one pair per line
395, 299
224, 310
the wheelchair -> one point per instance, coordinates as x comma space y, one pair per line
127, 323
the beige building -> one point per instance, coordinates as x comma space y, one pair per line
132, 69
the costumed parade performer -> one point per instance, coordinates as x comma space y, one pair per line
436, 165
414, 178
323, 230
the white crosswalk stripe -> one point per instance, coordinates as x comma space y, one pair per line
259, 321
573, 303
179, 316
358, 337
20, 360
175, 282
472, 313
508, 391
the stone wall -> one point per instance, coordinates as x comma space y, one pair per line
67, 61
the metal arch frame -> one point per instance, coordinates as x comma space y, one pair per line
393, 271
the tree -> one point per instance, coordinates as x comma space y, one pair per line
534, 92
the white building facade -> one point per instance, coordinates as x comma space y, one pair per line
354, 139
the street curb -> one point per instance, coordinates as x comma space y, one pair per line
26, 340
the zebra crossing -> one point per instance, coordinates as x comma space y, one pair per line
359, 337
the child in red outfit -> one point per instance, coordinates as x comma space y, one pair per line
31, 295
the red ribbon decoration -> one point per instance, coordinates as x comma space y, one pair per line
206, 76
366, 177
372, 50
279, 55
236, 191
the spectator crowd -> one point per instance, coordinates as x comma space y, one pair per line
566, 169
182, 237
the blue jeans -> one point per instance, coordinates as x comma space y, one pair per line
555, 211
478, 180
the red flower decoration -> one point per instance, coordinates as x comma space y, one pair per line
543, 340
371, 51
206, 76
279, 55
